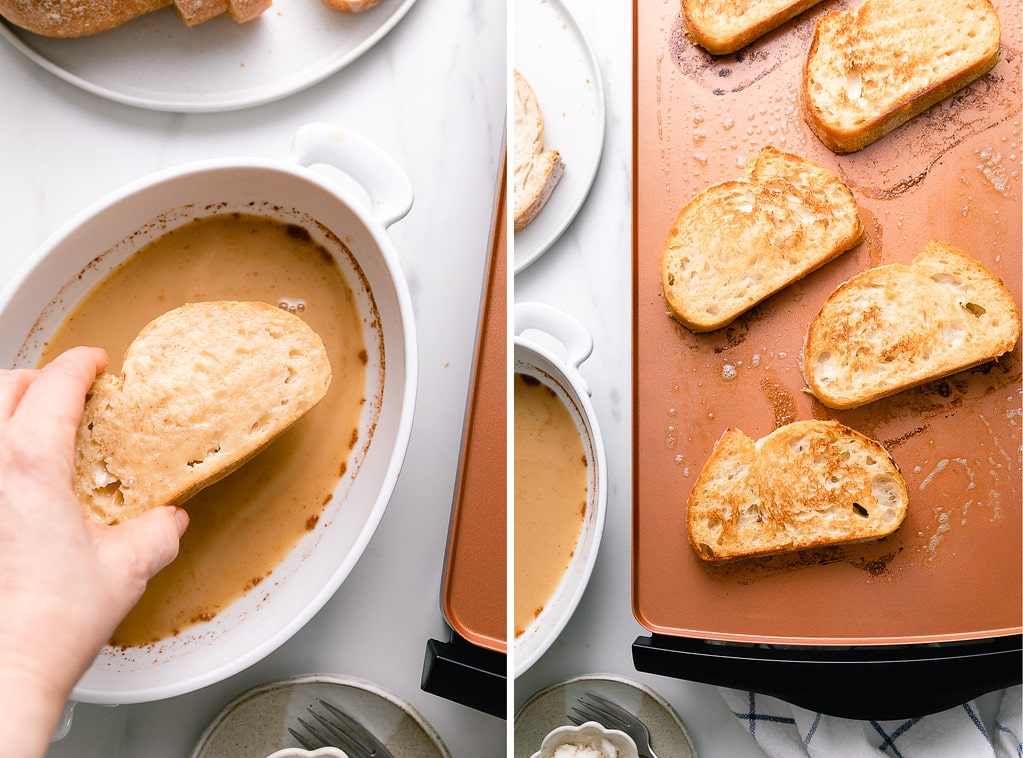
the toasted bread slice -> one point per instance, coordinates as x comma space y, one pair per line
872, 68
807, 484
896, 326
724, 26
537, 169
202, 389
738, 242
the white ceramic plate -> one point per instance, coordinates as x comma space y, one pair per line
156, 62
554, 55
548, 709
255, 724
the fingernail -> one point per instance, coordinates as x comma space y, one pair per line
181, 516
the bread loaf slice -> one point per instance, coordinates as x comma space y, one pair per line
202, 389
246, 10
895, 326
807, 484
537, 169
738, 242
724, 26
195, 12
59, 18
875, 66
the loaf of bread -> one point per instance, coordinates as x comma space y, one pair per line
80, 18
537, 169
202, 389
738, 242
895, 326
875, 66
724, 26
807, 484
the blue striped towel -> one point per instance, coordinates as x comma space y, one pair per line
784, 730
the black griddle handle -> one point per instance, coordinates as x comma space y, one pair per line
468, 674
878, 682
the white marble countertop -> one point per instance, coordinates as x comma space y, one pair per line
431, 93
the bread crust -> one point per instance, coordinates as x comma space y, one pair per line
74, 18
352, 6
808, 484
724, 26
202, 389
894, 327
859, 83
537, 169
80, 18
738, 242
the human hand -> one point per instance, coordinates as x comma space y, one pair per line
65, 581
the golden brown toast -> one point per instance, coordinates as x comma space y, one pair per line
202, 389
877, 65
895, 326
724, 26
807, 484
738, 242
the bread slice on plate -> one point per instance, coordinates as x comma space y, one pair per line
202, 389
877, 65
724, 26
738, 242
807, 484
537, 169
895, 326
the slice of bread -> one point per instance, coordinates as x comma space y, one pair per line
895, 326
352, 6
194, 12
202, 389
724, 26
58, 18
537, 170
738, 242
872, 68
246, 10
807, 484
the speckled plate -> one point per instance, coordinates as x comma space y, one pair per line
548, 709
255, 724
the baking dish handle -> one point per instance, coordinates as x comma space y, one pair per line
387, 187
560, 326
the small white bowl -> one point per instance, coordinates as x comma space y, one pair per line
589, 734
297, 752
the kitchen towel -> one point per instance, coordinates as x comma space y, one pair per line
784, 730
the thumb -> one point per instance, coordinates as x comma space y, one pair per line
141, 546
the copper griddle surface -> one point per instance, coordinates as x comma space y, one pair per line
475, 586
953, 570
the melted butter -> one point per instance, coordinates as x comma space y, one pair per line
245, 525
550, 495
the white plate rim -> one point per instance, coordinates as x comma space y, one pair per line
551, 230
286, 85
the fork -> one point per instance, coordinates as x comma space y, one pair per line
593, 707
335, 728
